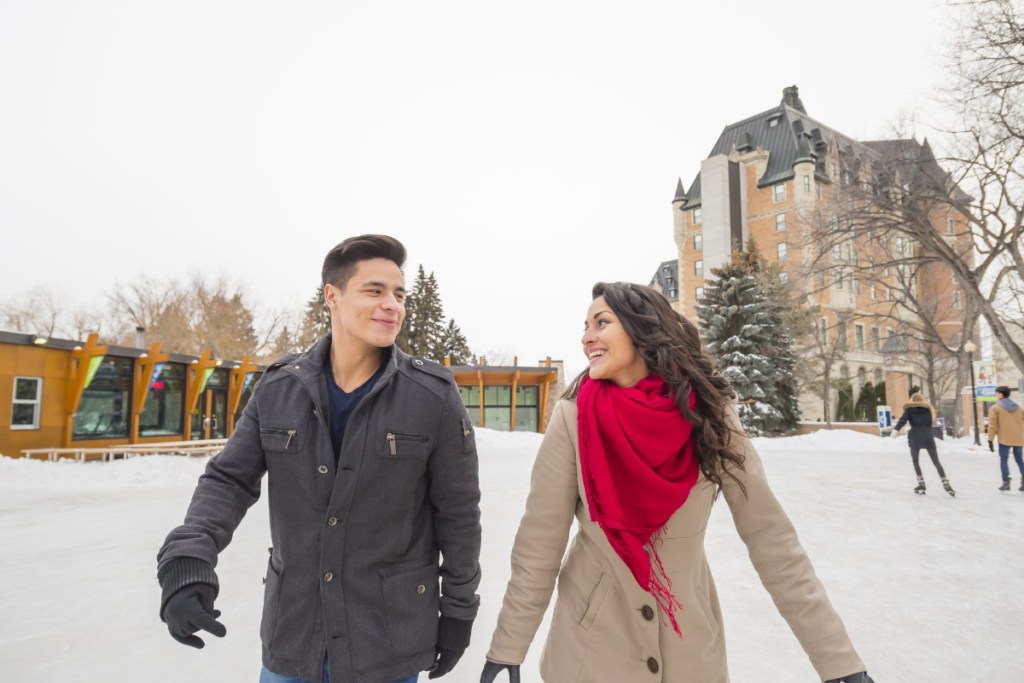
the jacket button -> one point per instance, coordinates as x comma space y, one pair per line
418, 362
652, 665
328, 576
332, 521
647, 612
322, 469
421, 589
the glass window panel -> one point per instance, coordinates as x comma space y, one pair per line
218, 378
165, 402
526, 419
499, 395
103, 410
26, 389
526, 396
23, 415
498, 418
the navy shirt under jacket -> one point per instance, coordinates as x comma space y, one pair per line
342, 403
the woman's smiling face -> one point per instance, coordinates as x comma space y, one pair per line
608, 348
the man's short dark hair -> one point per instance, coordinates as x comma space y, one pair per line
340, 262
1004, 390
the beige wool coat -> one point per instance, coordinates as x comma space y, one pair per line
1005, 426
605, 628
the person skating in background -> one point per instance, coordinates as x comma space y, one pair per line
920, 415
1006, 423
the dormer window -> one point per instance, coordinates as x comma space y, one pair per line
774, 120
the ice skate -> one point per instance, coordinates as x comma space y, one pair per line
949, 489
1006, 485
920, 488
1021, 484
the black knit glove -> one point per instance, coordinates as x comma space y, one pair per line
189, 586
861, 677
190, 610
492, 669
991, 446
452, 641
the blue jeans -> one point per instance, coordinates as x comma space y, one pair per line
1004, 456
268, 676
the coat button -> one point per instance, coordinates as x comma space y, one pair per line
418, 362
329, 576
421, 589
332, 521
652, 665
322, 469
647, 612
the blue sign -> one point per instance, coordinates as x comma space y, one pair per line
884, 418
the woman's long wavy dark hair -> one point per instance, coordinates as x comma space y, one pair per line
671, 347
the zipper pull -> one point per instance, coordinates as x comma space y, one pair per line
392, 444
291, 433
465, 429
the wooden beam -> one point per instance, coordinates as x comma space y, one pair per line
515, 383
195, 382
144, 366
542, 422
78, 379
236, 387
480, 379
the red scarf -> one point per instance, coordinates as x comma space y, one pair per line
638, 469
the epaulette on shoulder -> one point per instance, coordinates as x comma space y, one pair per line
275, 366
432, 368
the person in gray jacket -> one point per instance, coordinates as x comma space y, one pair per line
374, 498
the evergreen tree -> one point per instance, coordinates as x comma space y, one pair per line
844, 401
424, 328
316, 320
745, 335
880, 394
864, 409
455, 345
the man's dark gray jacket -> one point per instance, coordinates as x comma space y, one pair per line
353, 572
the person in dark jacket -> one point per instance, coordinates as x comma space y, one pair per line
920, 415
372, 479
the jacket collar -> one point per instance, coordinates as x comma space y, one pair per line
309, 367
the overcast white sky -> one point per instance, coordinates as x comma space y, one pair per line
521, 150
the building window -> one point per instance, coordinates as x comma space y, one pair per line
837, 252
821, 279
878, 375
780, 221
698, 242
784, 277
28, 395
165, 400
672, 293
824, 331
874, 296
841, 335
876, 344
781, 250
950, 226
837, 280
844, 372
888, 294
104, 408
890, 333
871, 263
698, 268
527, 408
817, 190
779, 192
858, 336
807, 183
699, 294
696, 216
956, 298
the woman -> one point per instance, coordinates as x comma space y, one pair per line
637, 452
920, 414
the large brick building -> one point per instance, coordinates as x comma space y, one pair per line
778, 178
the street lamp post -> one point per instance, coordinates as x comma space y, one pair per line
969, 348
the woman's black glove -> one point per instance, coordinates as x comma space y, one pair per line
861, 677
492, 669
991, 446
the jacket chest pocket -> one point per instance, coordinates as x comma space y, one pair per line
280, 439
411, 446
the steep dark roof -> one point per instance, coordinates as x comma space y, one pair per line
794, 136
661, 282
917, 165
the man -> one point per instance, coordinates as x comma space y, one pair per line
1006, 422
372, 474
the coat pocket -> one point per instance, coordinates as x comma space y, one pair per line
279, 439
411, 608
595, 601
412, 446
271, 599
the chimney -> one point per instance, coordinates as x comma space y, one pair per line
139, 339
791, 97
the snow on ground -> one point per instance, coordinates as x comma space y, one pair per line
931, 588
